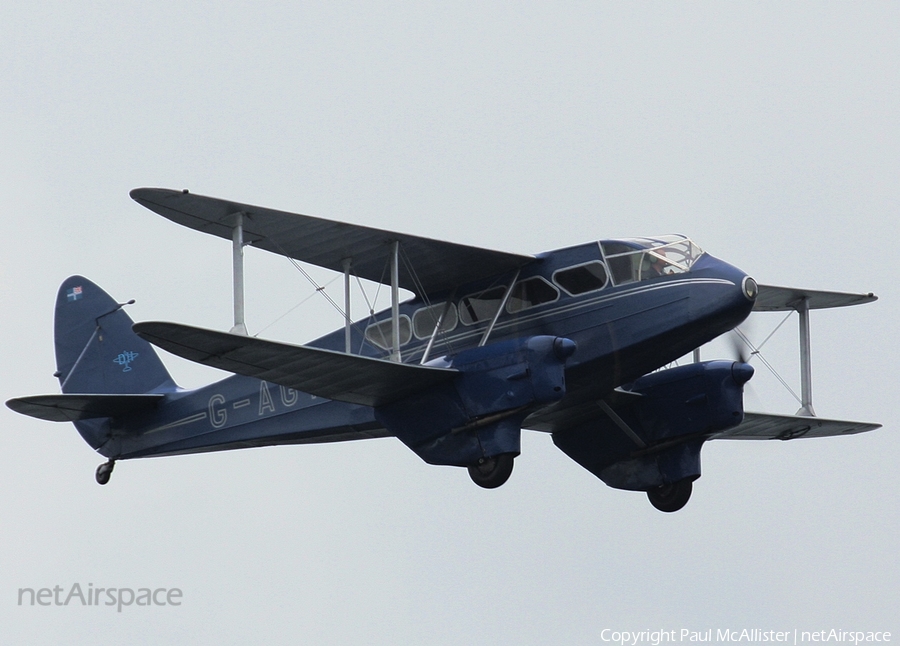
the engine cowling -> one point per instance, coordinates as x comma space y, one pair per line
480, 413
672, 412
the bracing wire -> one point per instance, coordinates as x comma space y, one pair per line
755, 352
777, 327
319, 288
296, 306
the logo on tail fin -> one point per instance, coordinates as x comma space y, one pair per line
74, 294
125, 359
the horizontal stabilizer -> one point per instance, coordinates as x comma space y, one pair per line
324, 373
782, 299
760, 426
75, 407
438, 265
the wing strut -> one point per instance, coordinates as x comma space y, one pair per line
395, 301
437, 328
490, 327
237, 255
806, 407
347, 322
240, 327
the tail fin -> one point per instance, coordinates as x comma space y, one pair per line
97, 353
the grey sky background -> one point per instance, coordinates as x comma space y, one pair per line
766, 131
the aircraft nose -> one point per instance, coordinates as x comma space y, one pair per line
735, 302
750, 288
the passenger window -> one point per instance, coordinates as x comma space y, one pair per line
426, 318
379, 334
531, 293
583, 278
480, 307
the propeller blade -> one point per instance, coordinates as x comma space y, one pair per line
739, 350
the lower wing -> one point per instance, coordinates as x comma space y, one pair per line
763, 426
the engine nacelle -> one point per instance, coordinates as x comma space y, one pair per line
672, 412
480, 413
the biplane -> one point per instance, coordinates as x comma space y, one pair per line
578, 342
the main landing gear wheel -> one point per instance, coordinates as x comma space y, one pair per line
492, 472
671, 497
104, 471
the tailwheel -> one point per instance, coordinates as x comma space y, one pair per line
671, 497
492, 472
104, 471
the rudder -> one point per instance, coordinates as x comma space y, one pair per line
96, 351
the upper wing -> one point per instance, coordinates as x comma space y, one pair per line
437, 265
334, 375
781, 299
760, 426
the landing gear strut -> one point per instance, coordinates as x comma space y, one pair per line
492, 472
104, 471
671, 497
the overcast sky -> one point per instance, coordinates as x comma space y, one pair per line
766, 131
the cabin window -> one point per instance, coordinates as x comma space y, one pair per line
379, 334
482, 306
426, 318
645, 258
623, 261
583, 278
531, 292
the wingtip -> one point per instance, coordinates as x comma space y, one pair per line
137, 194
147, 194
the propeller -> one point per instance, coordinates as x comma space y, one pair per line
741, 353
739, 350
741, 370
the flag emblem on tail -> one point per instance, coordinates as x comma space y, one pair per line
74, 294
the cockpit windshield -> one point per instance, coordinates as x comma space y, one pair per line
633, 259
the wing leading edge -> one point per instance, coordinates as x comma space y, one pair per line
437, 265
324, 373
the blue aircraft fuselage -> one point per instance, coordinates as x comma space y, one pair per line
623, 329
